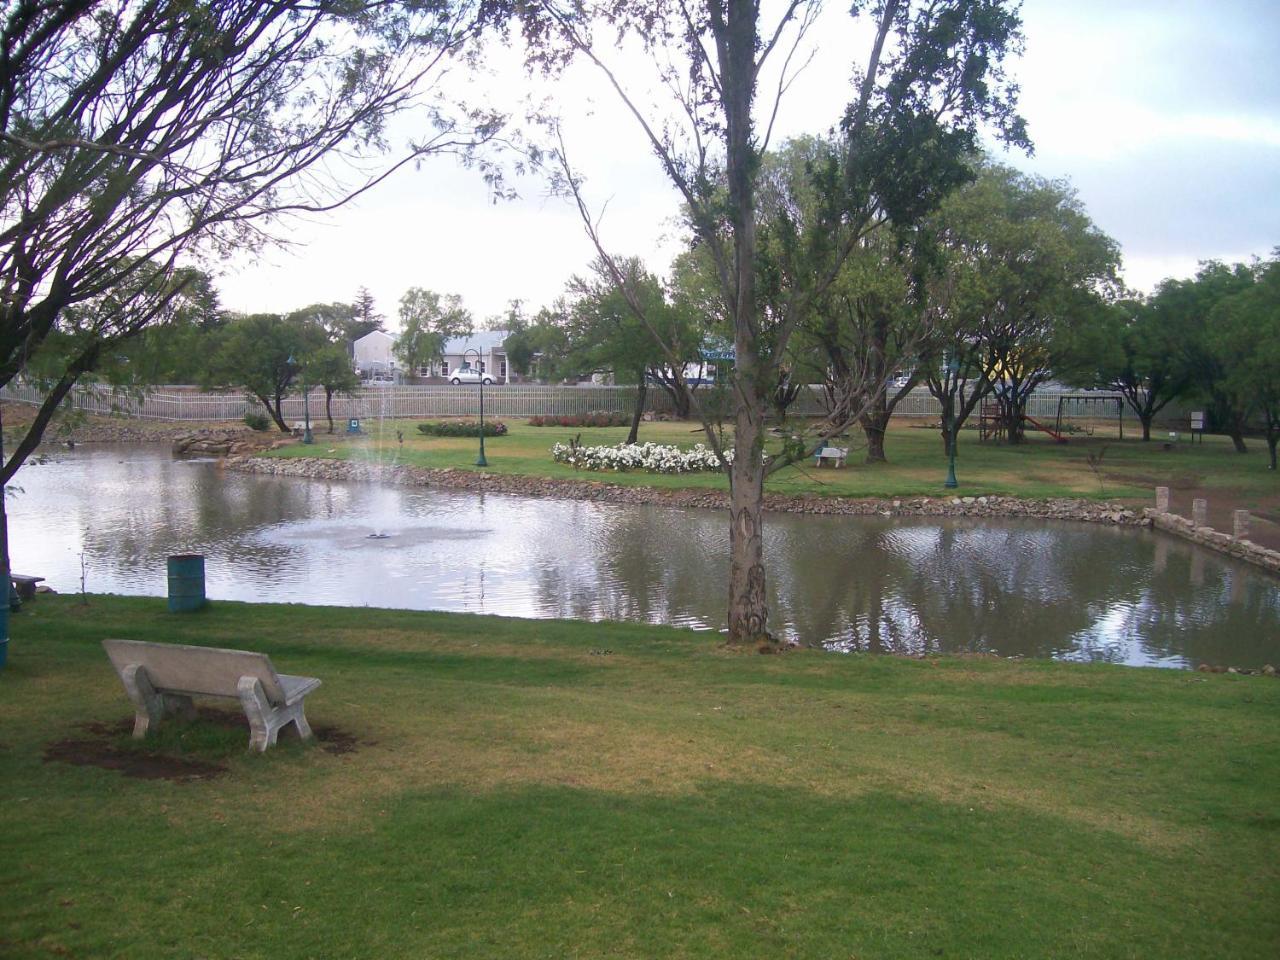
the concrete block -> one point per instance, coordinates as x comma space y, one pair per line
1200, 512
1240, 524
1162, 499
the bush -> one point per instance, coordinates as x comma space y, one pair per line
597, 418
462, 428
257, 421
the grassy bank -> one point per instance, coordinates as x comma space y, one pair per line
501, 788
1127, 469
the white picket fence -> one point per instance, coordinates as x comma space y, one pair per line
500, 400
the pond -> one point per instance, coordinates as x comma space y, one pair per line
904, 585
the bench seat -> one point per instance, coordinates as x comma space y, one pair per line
830, 456
161, 679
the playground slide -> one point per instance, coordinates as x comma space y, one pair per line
1040, 426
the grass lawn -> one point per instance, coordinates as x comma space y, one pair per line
1128, 469
501, 788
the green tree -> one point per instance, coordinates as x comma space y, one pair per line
329, 366
427, 321
1132, 347
1024, 266
932, 78
364, 317
1243, 337
1185, 306
539, 347
339, 321
605, 335
173, 348
264, 353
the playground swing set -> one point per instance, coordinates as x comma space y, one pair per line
991, 421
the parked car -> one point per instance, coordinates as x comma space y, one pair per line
469, 375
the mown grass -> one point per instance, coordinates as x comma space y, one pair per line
559, 789
1121, 469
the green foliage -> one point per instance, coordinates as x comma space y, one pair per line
462, 428
327, 365
427, 321
599, 418
1243, 339
257, 421
264, 354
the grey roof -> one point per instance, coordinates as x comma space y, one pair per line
486, 341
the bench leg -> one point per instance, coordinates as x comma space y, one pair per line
300, 725
266, 721
262, 729
148, 706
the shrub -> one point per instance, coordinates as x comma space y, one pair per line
462, 428
597, 418
257, 421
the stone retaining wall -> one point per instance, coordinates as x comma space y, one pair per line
1208, 537
325, 469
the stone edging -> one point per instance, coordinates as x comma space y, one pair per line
1245, 550
1089, 511
320, 468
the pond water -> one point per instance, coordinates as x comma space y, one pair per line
1016, 587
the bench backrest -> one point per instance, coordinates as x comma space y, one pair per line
206, 671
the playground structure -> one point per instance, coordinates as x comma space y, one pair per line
992, 420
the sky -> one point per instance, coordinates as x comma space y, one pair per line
1164, 115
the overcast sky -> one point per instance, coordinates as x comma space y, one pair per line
1164, 114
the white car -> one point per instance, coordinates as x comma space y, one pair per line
469, 375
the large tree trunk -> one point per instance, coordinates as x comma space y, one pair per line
274, 410
5, 569
874, 424
634, 434
1146, 426
748, 610
1272, 440
328, 407
1237, 440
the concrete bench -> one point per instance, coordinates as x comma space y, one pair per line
830, 456
161, 679
25, 585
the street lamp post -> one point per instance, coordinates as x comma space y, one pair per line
306, 413
306, 405
953, 367
480, 460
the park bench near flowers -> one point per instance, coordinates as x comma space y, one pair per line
161, 679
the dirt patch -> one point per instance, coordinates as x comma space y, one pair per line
101, 748
132, 763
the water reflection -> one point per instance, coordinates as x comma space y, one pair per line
1025, 588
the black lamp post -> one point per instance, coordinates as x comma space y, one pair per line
306, 406
480, 460
953, 367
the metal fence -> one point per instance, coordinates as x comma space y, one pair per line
392, 400
500, 400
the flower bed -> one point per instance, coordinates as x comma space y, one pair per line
653, 457
599, 418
